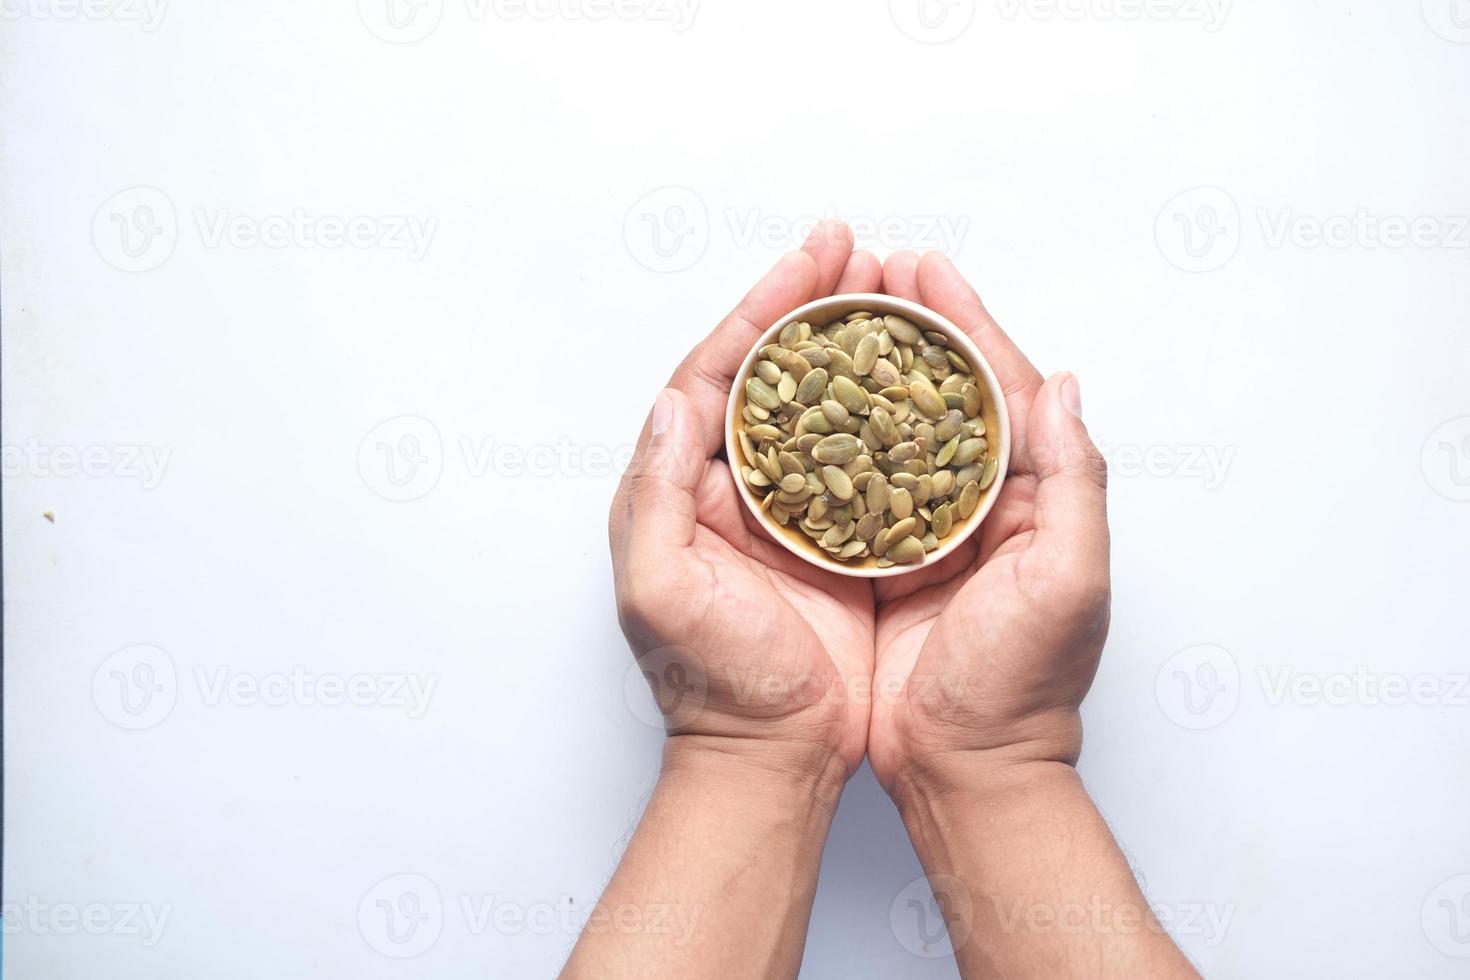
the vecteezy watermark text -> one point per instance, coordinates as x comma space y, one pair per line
147, 14
403, 458
137, 688
403, 916
119, 461
138, 230
1200, 687
35, 917
669, 229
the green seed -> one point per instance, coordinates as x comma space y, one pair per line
901, 503
866, 354
968, 451
762, 394
969, 500
927, 400
838, 482
943, 521
992, 466
906, 552
835, 411
849, 394
809, 392
902, 330
837, 449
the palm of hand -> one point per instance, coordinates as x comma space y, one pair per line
791, 643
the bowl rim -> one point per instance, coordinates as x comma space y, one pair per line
927, 319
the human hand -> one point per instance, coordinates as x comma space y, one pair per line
987, 655
772, 647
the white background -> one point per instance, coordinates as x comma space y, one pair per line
1286, 835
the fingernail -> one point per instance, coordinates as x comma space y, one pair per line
663, 413
1072, 395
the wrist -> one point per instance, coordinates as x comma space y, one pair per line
968, 778
789, 774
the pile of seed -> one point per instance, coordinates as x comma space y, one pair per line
866, 434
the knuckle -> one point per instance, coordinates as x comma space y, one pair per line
1086, 461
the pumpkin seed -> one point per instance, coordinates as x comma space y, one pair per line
809, 392
866, 355
902, 330
901, 503
942, 520
838, 482
906, 551
968, 451
992, 466
838, 449
969, 499
849, 394
762, 394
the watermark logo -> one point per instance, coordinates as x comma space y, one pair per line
1446, 917
666, 688
1450, 19
1199, 229
932, 21
1446, 459
136, 687
1199, 687
932, 916
401, 459
667, 230
401, 916
400, 21
147, 14
136, 230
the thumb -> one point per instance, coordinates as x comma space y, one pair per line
659, 487
1071, 514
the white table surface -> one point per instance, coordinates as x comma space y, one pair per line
196, 367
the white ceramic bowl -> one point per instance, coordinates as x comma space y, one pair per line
821, 312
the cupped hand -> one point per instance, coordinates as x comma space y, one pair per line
748, 647
988, 654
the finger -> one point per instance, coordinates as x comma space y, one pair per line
709, 370
901, 275
654, 515
864, 274
830, 246
945, 291
1071, 515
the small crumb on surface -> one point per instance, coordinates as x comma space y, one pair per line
50, 515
